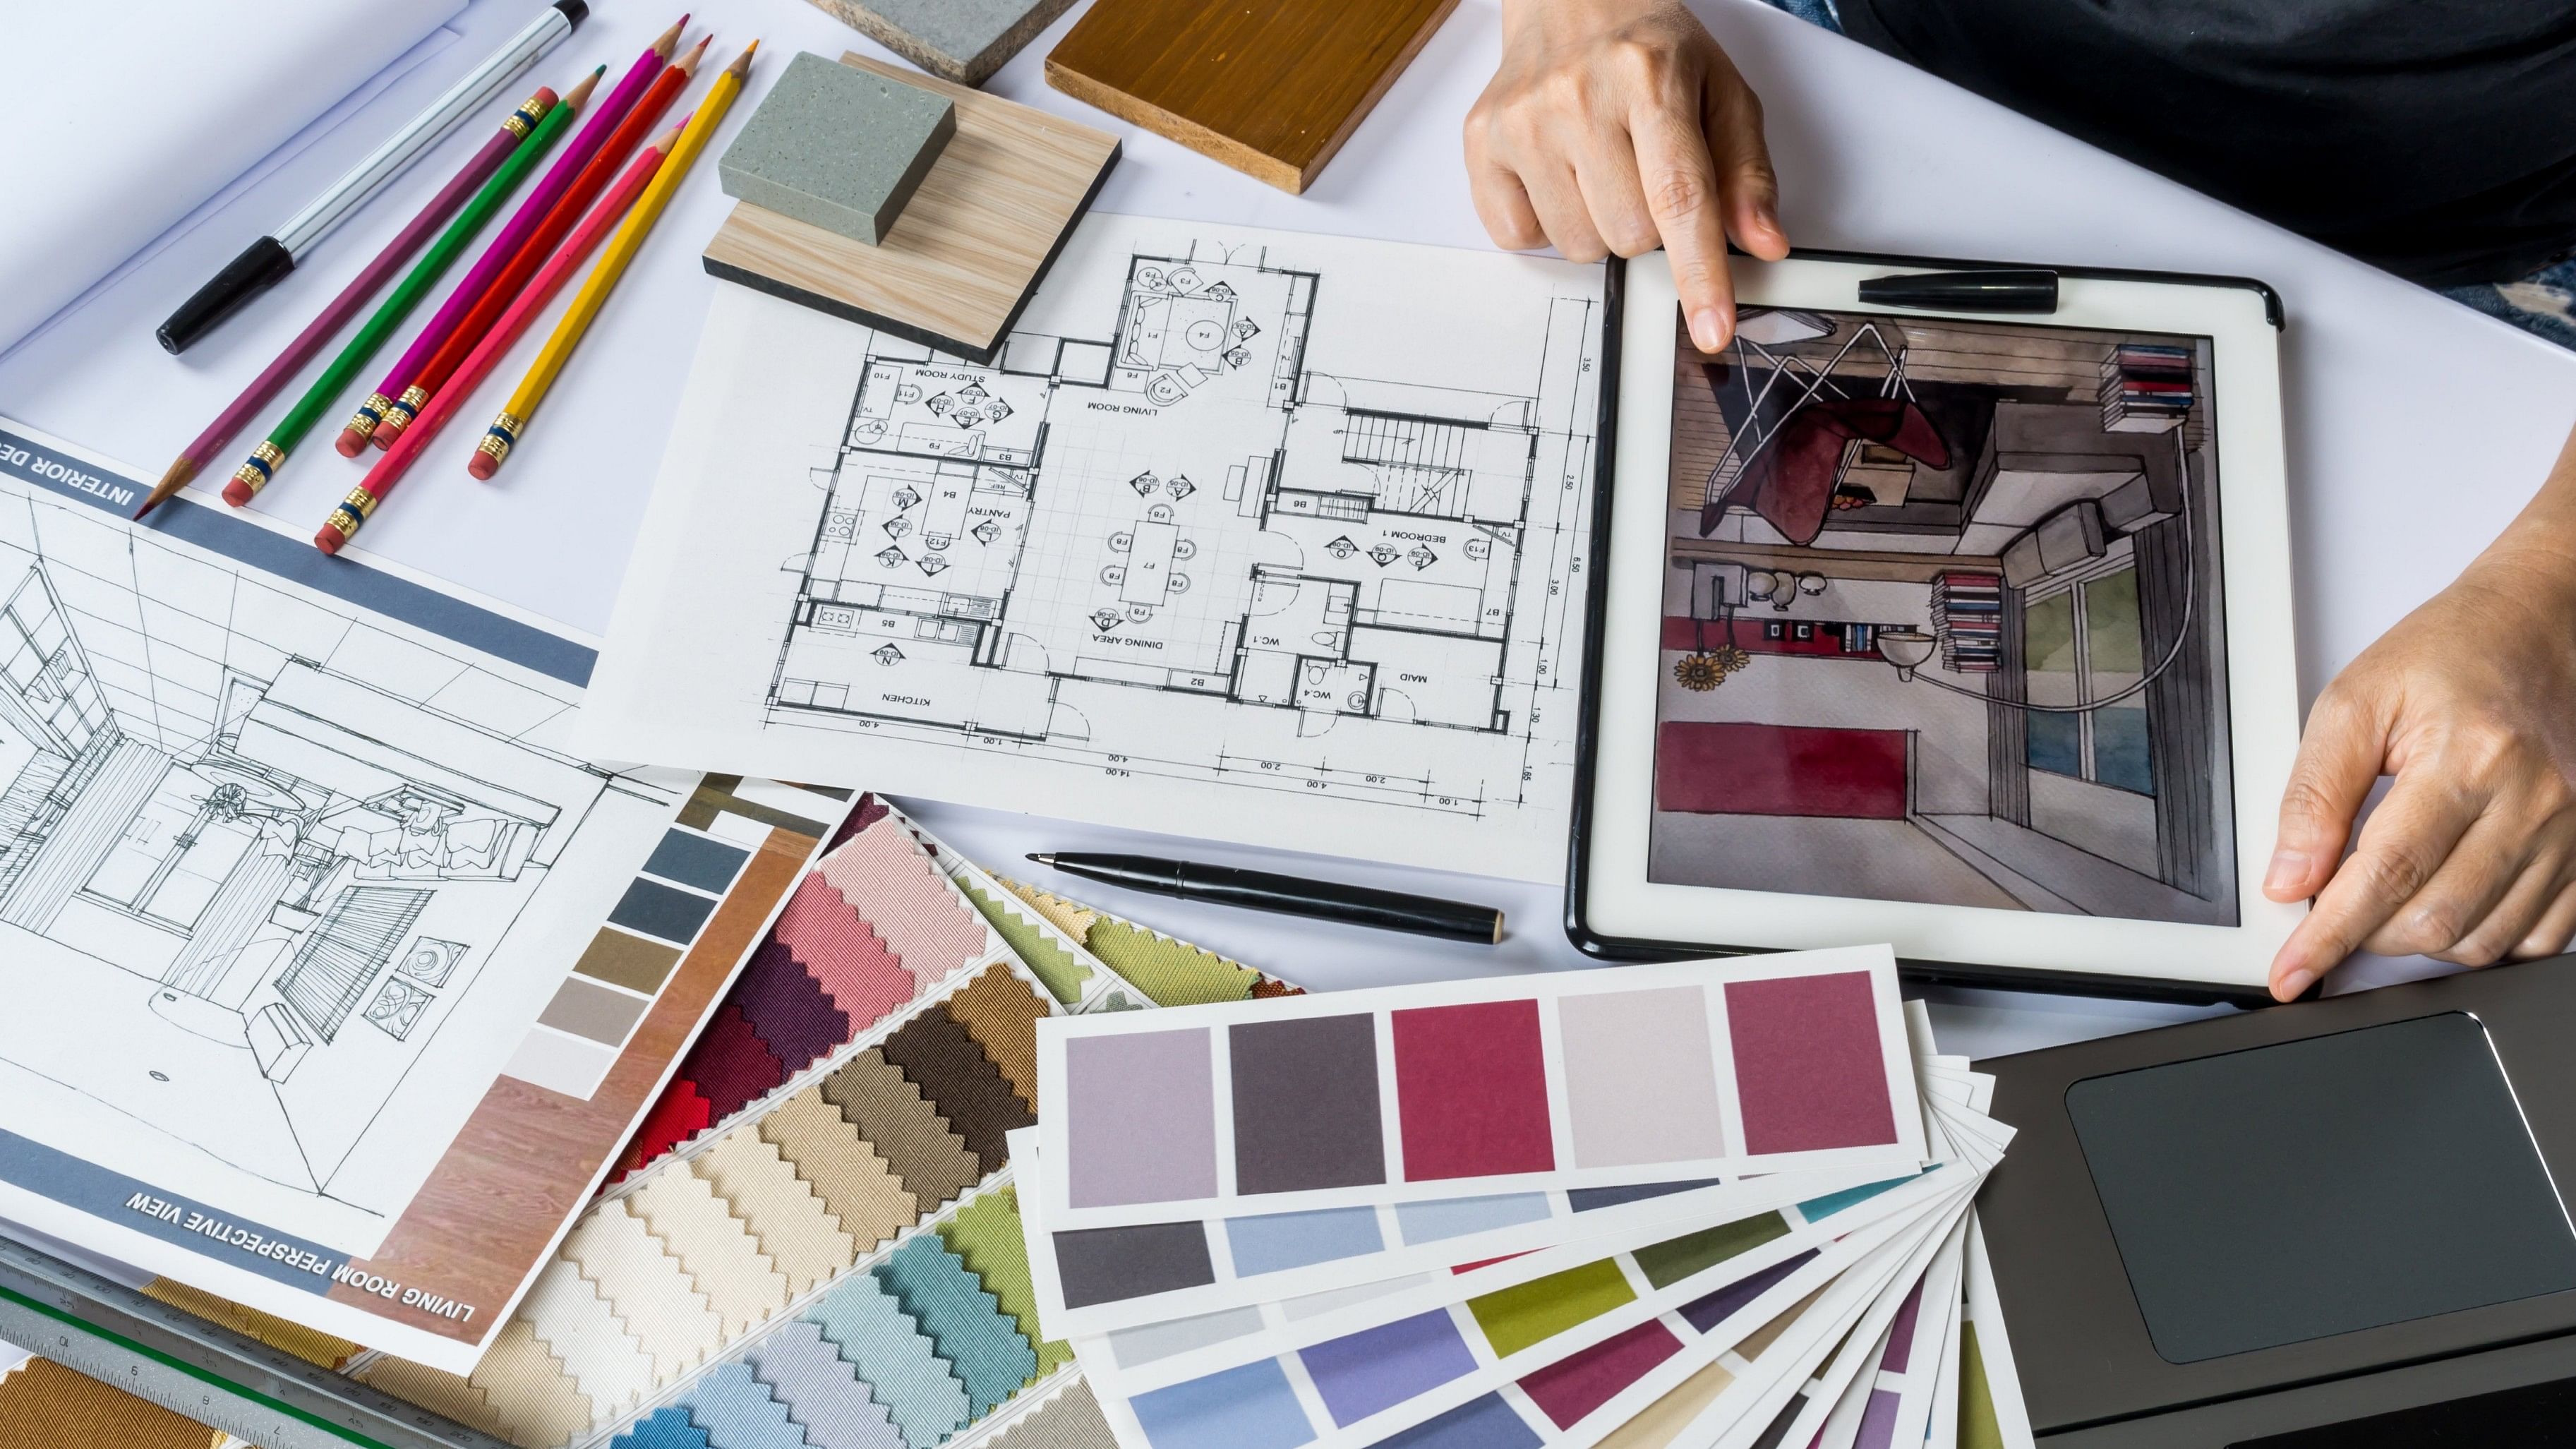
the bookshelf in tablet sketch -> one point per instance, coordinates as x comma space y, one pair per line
1179, 549
1943, 620
255, 856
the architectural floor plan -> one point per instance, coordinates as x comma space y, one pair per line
1234, 520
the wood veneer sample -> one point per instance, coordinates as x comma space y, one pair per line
1269, 87
969, 248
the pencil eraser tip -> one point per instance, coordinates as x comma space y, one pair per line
327, 539
348, 443
482, 466
237, 493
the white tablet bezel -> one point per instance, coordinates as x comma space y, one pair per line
1614, 902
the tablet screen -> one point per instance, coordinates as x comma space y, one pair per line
2323, 1186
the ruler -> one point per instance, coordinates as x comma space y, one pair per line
220, 1378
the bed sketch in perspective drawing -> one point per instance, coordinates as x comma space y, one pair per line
1229, 516
280, 886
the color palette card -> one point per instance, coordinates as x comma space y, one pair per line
1788, 1063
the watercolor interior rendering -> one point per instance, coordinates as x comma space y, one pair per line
1943, 619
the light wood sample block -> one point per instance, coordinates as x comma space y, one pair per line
966, 252
1269, 87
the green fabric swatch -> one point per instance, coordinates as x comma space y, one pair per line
985, 1234
1053, 964
1674, 1259
1173, 973
1516, 1317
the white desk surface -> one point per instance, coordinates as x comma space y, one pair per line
2416, 427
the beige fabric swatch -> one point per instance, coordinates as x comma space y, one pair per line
645, 1287
793, 1227
855, 1184
721, 1257
1071, 1420
440, 1393
536, 1402
605, 1361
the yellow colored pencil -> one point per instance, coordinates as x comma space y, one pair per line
513, 421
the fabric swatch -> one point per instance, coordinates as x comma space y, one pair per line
999, 1011
986, 1348
955, 1075
663, 1429
870, 1330
821, 1393
1063, 973
738, 1411
888, 1110
985, 1235
801, 1239
1070, 1420
856, 1186
319, 1349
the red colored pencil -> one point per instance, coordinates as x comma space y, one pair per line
353, 298
345, 520
576, 199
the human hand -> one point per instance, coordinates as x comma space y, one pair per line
2471, 703
1615, 125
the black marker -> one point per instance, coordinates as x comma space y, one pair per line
1262, 891
1987, 291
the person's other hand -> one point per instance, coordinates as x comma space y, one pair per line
1615, 125
2471, 703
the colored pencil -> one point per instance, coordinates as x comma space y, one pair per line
448, 401
568, 209
361, 288
513, 421
327, 389
266, 261
496, 255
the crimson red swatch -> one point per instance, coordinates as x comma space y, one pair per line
679, 1114
1471, 1090
1572, 1387
1807, 1064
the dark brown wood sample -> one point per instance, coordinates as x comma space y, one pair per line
1269, 87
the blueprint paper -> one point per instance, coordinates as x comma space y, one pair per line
1246, 534
295, 865
123, 118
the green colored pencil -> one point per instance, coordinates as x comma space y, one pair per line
320, 399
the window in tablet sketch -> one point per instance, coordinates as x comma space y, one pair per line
1942, 619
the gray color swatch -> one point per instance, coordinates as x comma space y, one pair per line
838, 147
1104, 1265
1305, 1104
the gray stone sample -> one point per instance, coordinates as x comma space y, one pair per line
960, 40
837, 147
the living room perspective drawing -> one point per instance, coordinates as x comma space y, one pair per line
1181, 548
259, 862
1942, 619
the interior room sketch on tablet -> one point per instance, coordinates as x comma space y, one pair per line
1176, 545
259, 859
1942, 620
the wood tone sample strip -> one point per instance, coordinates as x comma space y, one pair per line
1271, 88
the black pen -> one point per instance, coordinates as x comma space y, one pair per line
1262, 891
1994, 289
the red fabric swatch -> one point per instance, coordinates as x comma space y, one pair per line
1471, 1090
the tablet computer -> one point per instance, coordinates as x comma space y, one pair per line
1965, 631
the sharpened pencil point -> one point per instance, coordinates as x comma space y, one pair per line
579, 95
171, 482
1043, 859
688, 63
670, 138
742, 63
670, 38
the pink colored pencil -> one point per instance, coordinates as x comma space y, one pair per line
327, 323
353, 511
496, 256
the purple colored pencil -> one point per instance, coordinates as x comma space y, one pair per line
327, 324
514, 233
